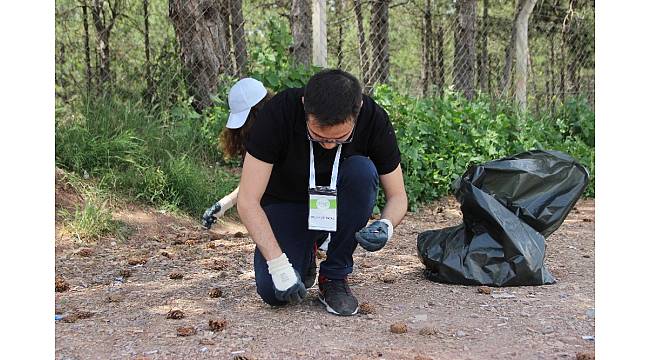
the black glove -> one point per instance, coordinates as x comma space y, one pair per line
374, 236
208, 218
294, 294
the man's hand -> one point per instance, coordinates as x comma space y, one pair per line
374, 236
286, 281
211, 214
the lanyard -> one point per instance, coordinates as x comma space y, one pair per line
312, 171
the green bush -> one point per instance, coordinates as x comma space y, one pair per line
162, 158
440, 138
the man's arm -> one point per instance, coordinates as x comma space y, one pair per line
254, 178
396, 200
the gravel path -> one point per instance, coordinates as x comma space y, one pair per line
113, 310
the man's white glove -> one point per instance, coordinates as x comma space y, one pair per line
374, 236
286, 281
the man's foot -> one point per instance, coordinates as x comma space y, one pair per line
337, 296
310, 276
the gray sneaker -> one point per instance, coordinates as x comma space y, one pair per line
337, 296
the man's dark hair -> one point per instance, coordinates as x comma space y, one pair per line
332, 96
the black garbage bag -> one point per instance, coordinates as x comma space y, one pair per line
509, 207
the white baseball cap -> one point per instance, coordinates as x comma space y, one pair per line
245, 94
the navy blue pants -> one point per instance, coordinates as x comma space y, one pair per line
357, 190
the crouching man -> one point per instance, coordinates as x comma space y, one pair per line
314, 160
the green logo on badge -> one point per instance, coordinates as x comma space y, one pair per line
322, 204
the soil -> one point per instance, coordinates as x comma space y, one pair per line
444, 321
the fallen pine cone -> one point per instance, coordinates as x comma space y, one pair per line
166, 254
84, 314
176, 276
427, 331
175, 314
137, 261
185, 331
388, 278
114, 297
215, 293
79, 315
217, 325
585, 356
85, 252
484, 290
366, 308
205, 341
218, 265
398, 328
70, 318
60, 284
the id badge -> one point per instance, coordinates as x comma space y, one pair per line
322, 209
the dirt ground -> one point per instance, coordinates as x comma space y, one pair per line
113, 310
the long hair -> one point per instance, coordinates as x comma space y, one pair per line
232, 141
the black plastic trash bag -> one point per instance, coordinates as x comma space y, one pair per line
509, 207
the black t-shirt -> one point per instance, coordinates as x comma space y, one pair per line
279, 137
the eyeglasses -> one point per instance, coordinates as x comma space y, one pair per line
331, 141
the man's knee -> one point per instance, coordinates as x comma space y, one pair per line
360, 171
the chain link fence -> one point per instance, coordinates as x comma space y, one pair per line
167, 51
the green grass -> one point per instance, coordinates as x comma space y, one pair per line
167, 159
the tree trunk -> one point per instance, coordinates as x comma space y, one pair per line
224, 9
574, 55
61, 81
465, 47
239, 37
534, 90
483, 59
103, 26
201, 32
338, 9
510, 49
440, 58
427, 49
89, 75
552, 72
521, 51
562, 64
301, 31
363, 54
379, 41
319, 32
147, 50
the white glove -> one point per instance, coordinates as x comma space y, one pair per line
282, 272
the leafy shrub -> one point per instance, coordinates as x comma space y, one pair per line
440, 138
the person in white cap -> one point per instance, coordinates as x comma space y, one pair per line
245, 99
